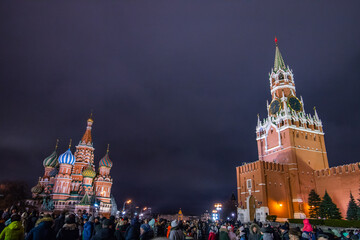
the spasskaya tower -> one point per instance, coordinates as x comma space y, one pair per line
288, 134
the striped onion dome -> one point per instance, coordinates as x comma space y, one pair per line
105, 161
51, 161
89, 172
67, 157
37, 189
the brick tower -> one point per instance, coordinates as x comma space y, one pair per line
288, 134
84, 156
103, 182
290, 147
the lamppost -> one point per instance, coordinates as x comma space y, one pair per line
218, 207
123, 210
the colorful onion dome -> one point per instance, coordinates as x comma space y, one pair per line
105, 161
51, 161
89, 172
37, 189
67, 157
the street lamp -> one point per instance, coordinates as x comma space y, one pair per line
218, 207
126, 202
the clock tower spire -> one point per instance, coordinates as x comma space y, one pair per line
288, 134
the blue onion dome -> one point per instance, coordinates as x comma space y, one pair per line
89, 172
105, 161
67, 157
54, 172
37, 189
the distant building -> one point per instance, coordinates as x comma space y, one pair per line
292, 158
71, 183
179, 216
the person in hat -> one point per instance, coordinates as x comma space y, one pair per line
59, 222
14, 231
69, 231
307, 230
43, 230
232, 235
175, 232
88, 228
133, 231
294, 234
284, 232
105, 232
212, 233
267, 233
146, 232
242, 233
254, 232
223, 233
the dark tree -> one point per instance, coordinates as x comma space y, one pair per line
352, 210
328, 208
229, 208
13, 193
314, 201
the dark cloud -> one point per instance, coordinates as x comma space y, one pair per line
175, 86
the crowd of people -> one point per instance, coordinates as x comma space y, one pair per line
82, 226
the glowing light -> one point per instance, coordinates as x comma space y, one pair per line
280, 204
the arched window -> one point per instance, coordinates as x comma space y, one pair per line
281, 76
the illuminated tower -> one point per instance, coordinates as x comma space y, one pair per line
88, 176
49, 163
61, 189
288, 134
84, 156
103, 181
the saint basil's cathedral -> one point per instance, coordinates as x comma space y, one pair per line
292, 158
71, 183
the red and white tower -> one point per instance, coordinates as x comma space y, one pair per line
103, 182
289, 134
84, 156
63, 179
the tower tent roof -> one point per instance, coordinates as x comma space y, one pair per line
87, 139
279, 61
85, 200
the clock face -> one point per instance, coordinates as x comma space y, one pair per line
294, 103
274, 107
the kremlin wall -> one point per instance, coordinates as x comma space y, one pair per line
292, 158
70, 181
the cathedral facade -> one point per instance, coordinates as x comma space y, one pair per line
292, 158
71, 182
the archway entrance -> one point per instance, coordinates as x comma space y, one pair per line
251, 207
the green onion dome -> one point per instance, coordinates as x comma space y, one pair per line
89, 172
51, 161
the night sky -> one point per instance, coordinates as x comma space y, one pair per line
175, 87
